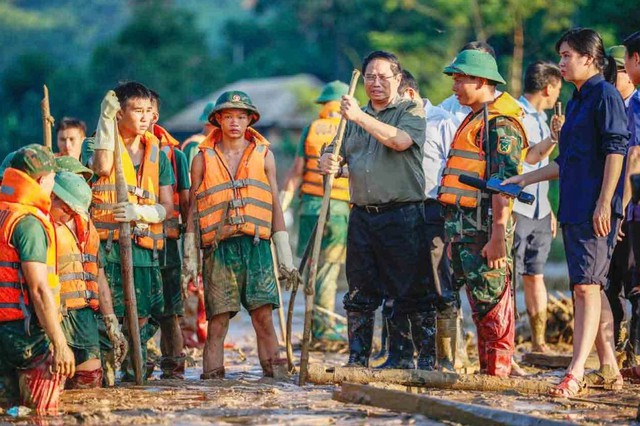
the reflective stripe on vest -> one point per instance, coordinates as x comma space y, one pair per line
143, 189
229, 206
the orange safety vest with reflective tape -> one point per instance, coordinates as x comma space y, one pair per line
78, 265
20, 195
467, 155
168, 144
321, 133
143, 189
234, 205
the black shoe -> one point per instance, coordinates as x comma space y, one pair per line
384, 341
360, 325
400, 344
423, 330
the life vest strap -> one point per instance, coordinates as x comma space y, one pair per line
132, 189
82, 276
10, 284
459, 172
457, 191
80, 294
13, 265
237, 220
466, 154
235, 184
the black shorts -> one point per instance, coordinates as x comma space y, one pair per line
532, 243
588, 256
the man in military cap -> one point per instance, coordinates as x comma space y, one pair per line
190, 145
481, 241
234, 196
34, 355
305, 175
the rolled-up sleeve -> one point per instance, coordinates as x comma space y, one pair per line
612, 122
413, 123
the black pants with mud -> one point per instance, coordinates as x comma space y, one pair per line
620, 276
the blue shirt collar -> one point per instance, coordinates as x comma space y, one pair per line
588, 86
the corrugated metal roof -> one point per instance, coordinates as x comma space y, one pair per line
275, 98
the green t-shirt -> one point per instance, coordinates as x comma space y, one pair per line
30, 240
182, 167
142, 256
190, 151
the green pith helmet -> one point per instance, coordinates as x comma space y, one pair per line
617, 53
332, 92
70, 164
475, 63
74, 191
204, 117
35, 160
234, 99
6, 163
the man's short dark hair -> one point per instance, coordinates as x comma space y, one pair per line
131, 90
632, 43
155, 97
387, 56
482, 46
540, 74
408, 82
71, 123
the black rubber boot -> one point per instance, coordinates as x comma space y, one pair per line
360, 326
400, 344
384, 341
633, 344
423, 329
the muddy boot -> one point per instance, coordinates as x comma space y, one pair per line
400, 344
108, 368
360, 325
384, 341
538, 324
633, 344
215, 374
447, 343
460, 357
423, 330
172, 367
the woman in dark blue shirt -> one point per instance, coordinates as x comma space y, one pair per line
593, 142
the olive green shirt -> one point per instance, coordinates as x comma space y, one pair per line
30, 240
377, 173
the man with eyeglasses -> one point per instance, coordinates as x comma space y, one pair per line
383, 150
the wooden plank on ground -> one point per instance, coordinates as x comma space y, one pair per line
436, 408
539, 359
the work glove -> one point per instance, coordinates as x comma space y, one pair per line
130, 212
116, 337
189, 264
288, 272
286, 197
105, 134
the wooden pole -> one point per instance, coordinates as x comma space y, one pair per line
47, 119
126, 264
317, 242
281, 320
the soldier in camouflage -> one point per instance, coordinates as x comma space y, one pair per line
479, 226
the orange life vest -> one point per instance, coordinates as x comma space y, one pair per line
169, 144
143, 189
78, 265
233, 205
20, 195
321, 133
467, 155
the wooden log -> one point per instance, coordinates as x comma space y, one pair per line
539, 359
427, 379
436, 408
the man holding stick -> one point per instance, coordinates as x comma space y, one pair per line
383, 150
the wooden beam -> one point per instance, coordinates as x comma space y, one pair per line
436, 408
539, 359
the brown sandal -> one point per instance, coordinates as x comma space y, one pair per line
604, 379
569, 386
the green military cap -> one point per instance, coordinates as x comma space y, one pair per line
35, 160
6, 163
234, 99
70, 164
475, 63
617, 53
332, 92
204, 117
74, 191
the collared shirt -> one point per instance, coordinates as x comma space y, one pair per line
535, 124
441, 128
595, 126
633, 117
377, 173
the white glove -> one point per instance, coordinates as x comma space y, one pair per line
286, 197
117, 339
189, 263
105, 137
283, 250
130, 212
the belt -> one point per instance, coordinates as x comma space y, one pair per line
381, 208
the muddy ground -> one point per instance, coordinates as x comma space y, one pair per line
246, 398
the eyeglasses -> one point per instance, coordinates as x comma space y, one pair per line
370, 78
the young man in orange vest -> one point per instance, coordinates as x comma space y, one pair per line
34, 355
171, 342
149, 179
481, 245
234, 196
70, 133
83, 287
304, 174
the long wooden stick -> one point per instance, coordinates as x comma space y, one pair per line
317, 242
281, 319
126, 264
47, 119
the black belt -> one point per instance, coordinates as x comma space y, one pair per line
380, 208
